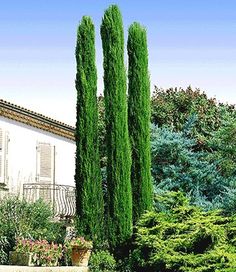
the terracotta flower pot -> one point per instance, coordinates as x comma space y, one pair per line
80, 257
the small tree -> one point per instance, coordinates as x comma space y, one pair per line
89, 196
118, 149
139, 120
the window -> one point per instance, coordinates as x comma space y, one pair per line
4, 142
45, 170
45, 163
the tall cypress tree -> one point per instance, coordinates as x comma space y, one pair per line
89, 195
139, 120
118, 149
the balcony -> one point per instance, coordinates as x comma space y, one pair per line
60, 197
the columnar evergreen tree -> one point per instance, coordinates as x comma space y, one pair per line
118, 149
89, 195
139, 120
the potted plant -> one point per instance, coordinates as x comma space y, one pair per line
22, 254
39, 252
80, 251
50, 254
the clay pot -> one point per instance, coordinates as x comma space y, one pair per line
80, 257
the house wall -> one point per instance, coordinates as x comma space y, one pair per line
22, 154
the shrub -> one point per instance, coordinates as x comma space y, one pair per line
4, 245
223, 147
182, 238
174, 106
102, 261
177, 167
28, 220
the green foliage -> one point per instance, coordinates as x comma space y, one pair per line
89, 196
102, 261
172, 107
194, 148
4, 245
228, 203
183, 238
139, 120
223, 147
124, 264
119, 196
28, 220
175, 166
102, 131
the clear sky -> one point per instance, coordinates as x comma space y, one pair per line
190, 42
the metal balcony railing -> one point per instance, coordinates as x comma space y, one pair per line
60, 197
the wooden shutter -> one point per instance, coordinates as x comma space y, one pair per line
4, 140
1, 156
44, 169
45, 162
6, 160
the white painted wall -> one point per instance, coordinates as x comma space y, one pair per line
22, 154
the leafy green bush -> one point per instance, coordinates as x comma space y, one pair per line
182, 238
229, 201
4, 245
177, 167
102, 261
28, 220
174, 106
223, 147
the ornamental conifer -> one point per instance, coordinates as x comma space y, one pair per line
139, 120
89, 195
118, 148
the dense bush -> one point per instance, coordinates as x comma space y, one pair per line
176, 166
28, 220
182, 238
102, 261
222, 145
174, 106
4, 246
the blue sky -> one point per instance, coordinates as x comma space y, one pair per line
190, 42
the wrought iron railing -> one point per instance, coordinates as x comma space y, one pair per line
60, 197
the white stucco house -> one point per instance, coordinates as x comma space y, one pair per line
37, 158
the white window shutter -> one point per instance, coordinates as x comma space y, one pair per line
45, 162
4, 141
6, 159
45, 170
1, 157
